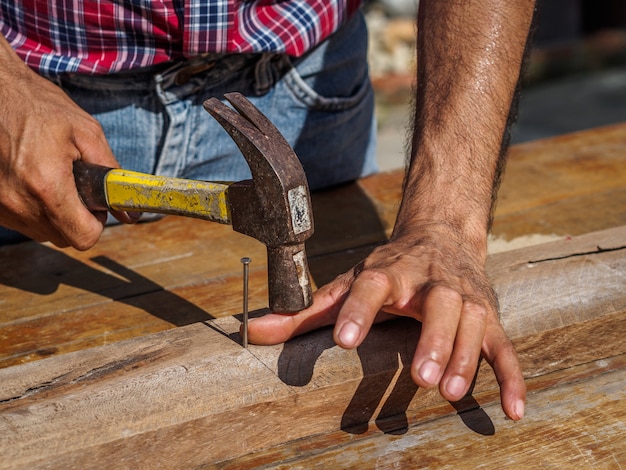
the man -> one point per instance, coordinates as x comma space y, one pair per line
432, 268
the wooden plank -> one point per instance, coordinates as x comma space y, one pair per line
192, 395
139, 259
129, 284
530, 280
111, 321
249, 426
129, 261
579, 425
569, 166
567, 217
227, 427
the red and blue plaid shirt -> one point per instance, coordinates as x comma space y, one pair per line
104, 36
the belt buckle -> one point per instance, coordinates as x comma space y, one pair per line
183, 70
186, 73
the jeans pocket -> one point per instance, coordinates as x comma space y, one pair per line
333, 76
312, 99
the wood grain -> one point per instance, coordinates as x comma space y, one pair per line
127, 356
192, 396
142, 279
554, 434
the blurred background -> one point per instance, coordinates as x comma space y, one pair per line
575, 78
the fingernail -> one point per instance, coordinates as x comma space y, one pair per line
456, 386
429, 372
349, 334
134, 215
519, 409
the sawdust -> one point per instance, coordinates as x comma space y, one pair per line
498, 245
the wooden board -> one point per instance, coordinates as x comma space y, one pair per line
141, 279
192, 396
126, 355
555, 433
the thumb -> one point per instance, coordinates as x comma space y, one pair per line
275, 328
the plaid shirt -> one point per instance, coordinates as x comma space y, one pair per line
104, 36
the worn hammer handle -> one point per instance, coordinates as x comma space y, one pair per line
288, 278
90, 182
103, 188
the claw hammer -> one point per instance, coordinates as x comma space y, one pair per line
273, 207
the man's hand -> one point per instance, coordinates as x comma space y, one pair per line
42, 132
433, 280
469, 59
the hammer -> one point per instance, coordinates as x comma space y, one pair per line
273, 207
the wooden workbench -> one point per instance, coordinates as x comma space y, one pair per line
128, 356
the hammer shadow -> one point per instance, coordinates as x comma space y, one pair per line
43, 270
346, 222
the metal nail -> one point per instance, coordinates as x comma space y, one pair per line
246, 268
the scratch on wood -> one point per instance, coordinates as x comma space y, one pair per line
91, 375
597, 251
36, 389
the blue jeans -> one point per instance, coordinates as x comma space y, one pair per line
322, 103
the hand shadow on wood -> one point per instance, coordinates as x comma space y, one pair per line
386, 386
382, 370
384, 374
41, 270
470, 412
348, 225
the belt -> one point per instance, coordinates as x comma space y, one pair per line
180, 72
265, 69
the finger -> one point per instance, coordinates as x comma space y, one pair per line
67, 213
441, 311
462, 366
52, 213
127, 217
275, 328
44, 232
92, 143
500, 353
369, 292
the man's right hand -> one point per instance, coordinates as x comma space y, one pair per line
42, 132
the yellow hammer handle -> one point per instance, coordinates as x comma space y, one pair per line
103, 188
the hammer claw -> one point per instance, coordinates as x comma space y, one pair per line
256, 117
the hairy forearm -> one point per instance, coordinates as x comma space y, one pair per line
469, 60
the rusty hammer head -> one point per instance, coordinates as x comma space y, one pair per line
274, 206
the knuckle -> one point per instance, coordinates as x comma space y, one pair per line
85, 241
93, 129
376, 277
475, 311
445, 296
465, 364
440, 346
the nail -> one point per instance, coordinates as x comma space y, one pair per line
134, 215
519, 409
349, 334
429, 372
246, 268
456, 386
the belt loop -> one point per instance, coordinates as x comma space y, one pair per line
268, 70
262, 77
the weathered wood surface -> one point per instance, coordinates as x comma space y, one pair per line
143, 279
192, 396
578, 424
135, 391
